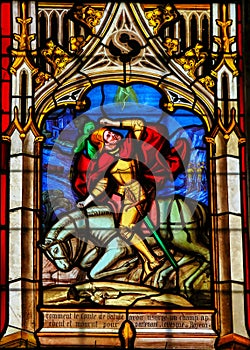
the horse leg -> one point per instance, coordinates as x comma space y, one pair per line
161, 276
115, 251
197, 249
188, 284
90, 257
193, 249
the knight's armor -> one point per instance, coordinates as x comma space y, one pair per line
124, 172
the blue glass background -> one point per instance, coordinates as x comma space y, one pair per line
63, 127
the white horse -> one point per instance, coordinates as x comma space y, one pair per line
66, 242
183, 227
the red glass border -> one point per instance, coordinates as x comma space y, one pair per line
5, 85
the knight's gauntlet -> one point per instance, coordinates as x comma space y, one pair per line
136, 125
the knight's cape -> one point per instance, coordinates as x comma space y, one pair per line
158, 159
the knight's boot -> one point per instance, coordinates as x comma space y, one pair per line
149, 267
150, 262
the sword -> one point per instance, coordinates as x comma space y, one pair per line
159, 240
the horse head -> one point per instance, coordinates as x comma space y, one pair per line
60, 253
65, 242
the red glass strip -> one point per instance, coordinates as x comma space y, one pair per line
3, 257
4, 151
5, 42
3, 191
5, 68
5, 18
5, 96
3, 280
3, 308
244, 200
239, 31
5, 121
241, 98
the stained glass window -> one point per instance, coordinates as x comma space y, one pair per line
124, 215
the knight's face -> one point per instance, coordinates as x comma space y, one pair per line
111, 137
56, 254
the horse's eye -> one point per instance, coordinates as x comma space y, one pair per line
55, 250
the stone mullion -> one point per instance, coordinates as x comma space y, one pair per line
15, 219
23, 267
30, 273
27, 271
22, 270
214, 229
60, 27
71, 28
227, 245
236, 242
37, 225
222, 239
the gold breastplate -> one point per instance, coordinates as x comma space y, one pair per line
124, 171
